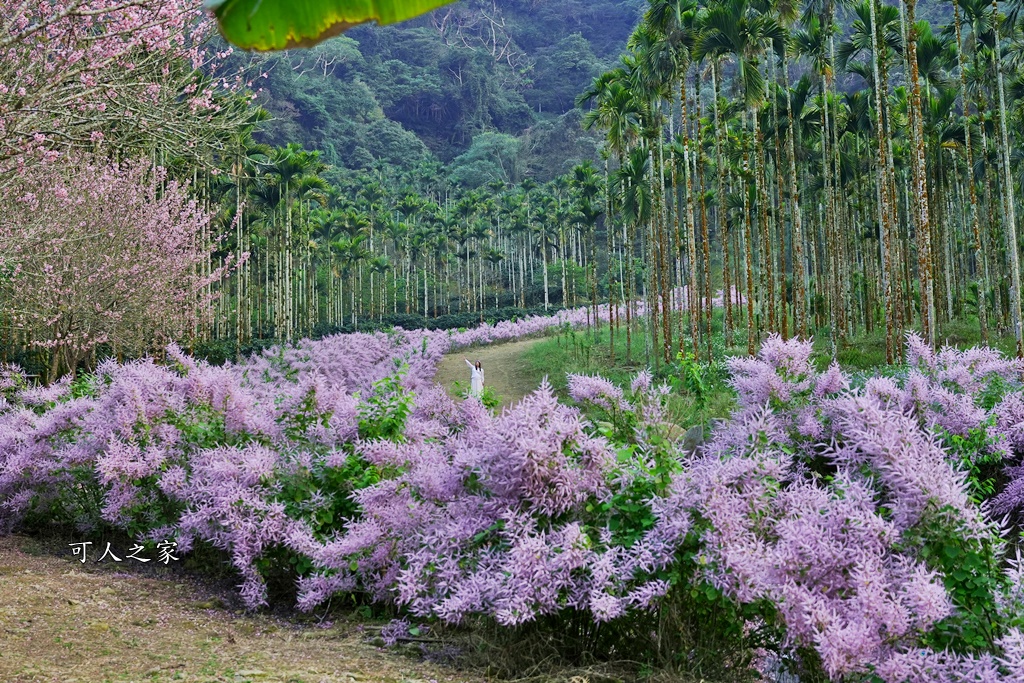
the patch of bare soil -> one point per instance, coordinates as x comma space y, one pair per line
504, 370
62, 621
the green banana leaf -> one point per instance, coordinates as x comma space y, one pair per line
281, 24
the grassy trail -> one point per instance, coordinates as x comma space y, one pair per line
505, 369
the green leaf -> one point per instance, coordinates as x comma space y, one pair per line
282, 24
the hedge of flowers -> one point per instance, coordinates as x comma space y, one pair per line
858, 527
195, 451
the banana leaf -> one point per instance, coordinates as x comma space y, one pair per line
281, 24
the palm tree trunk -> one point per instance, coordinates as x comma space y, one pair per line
923, 226
767, 301
662, 244
829, 225
692, 292
609, 230
884, 211
747, 236
1011, 204
720, 213
705, 238
628, 237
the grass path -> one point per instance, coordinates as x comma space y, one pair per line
68, 622
505, 370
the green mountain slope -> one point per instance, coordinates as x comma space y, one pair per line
502, 73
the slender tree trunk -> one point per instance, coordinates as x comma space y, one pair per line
1011, 204
609, 229
721, 210
692, 292
705, 237
799, 266
629, 231
923, 225
747, 237
544, 257
829, 223
767, 301
885, 225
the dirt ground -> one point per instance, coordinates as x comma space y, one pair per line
503, 370
62, 621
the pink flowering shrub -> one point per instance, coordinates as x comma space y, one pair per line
256, 459
840, 516
824, 551
639, 418
242, 457
468, 524
975, 400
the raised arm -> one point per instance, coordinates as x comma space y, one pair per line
471, 366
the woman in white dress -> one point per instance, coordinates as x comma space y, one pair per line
476, 378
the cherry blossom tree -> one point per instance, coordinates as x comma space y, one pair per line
93, 253
135, 73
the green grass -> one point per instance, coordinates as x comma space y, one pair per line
587, 352
581, 352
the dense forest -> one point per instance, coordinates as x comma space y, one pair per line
830, 170
813, 178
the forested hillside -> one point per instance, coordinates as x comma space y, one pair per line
423, 92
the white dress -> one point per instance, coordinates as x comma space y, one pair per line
476, 381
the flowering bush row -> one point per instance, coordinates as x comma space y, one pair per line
247, 457
853, 529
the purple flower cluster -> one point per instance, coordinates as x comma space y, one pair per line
596, 390
815, 499
482, 516
960, 391
826, 554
